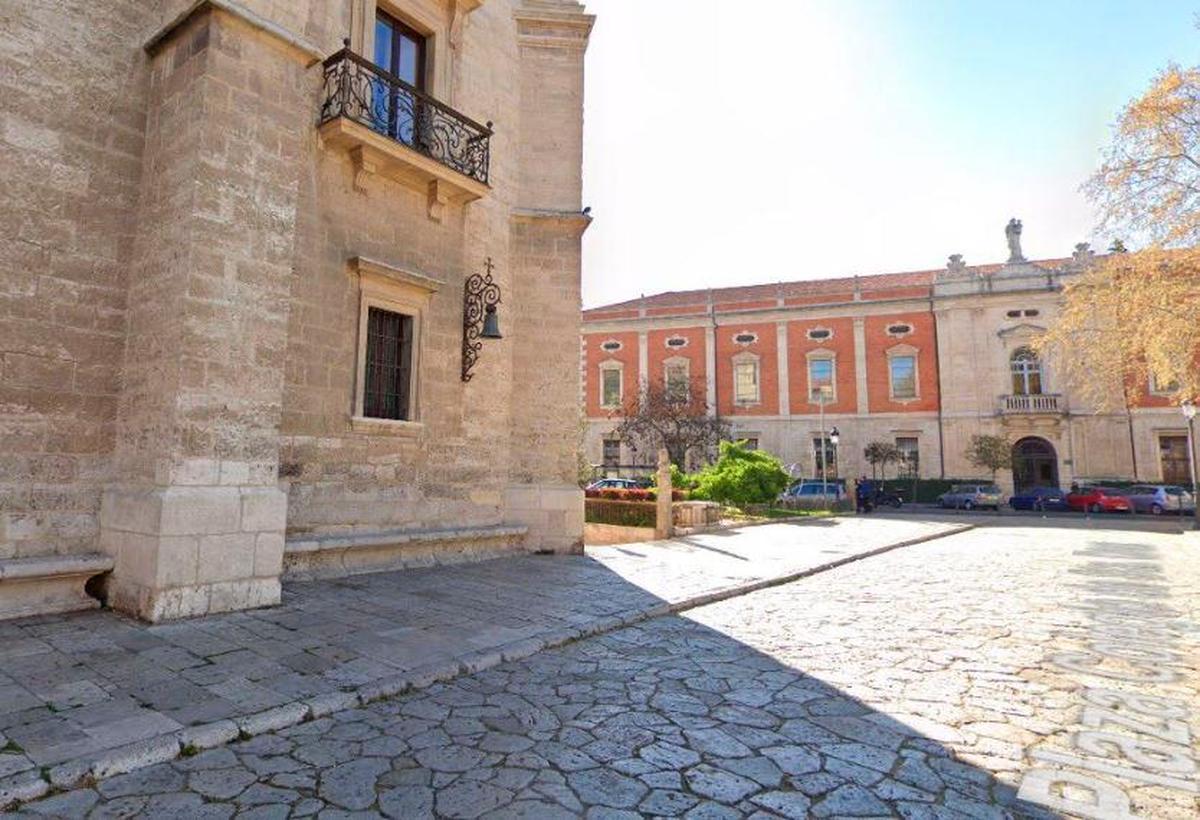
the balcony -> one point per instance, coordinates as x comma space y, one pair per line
1052, 404
392, 128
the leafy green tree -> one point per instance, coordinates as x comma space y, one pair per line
992, 453
880, 454
740, 476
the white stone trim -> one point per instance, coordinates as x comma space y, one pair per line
782, 369
742, 359
672, 361
904, 350
619, 367
820, 354
400, 291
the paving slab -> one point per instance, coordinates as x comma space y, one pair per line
88, 693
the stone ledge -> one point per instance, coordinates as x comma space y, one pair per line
336, 555
48, 584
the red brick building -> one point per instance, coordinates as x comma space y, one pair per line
921, 359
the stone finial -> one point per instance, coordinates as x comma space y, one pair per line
1083, 254
956, 266
1012, 232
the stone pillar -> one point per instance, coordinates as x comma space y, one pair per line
664, 524
860, 366
784, 381
541, 312
195, 523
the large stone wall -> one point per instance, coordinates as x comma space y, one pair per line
71, 133
165, 157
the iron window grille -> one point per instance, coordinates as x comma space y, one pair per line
388, 383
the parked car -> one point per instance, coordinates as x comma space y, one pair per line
970, 496
614, 484
830, 491
1042, 499
1157, 499
1099, 499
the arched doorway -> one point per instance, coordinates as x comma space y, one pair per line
1035, 464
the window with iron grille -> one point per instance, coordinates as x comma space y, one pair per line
612, 452
910, 456
387, 384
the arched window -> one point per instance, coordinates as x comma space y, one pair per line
1026, 372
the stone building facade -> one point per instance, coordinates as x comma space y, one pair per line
236, 238
923, 360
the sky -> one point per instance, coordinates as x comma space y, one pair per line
753, 141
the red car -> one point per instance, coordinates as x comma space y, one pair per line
1098, 499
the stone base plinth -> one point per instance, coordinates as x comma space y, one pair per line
156, 605
54, 583
552, 512
182, 551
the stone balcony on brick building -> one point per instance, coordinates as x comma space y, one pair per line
391, 127
1053, 404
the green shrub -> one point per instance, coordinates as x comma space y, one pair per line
740, 477
620, 513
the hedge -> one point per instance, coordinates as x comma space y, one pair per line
620, 513
928, 489
613, 494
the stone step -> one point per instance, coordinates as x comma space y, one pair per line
335, 555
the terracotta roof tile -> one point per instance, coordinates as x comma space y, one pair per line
796, 289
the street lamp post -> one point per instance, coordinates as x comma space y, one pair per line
834, 435
1189, 413
820, 393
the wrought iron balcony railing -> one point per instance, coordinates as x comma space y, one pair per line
1034, 403
363, 92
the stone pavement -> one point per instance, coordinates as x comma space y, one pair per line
96, 694
937, 681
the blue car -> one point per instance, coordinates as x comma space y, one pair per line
1040, 499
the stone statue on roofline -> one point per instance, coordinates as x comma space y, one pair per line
956, 266
1012, 232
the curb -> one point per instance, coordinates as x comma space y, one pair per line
33, 783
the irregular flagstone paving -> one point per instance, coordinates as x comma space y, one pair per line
913, 684
76, 687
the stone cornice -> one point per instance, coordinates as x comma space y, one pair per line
370, 267
235, 9
567, 219
553, 24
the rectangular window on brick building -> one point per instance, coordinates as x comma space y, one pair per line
910, 456
387, 387
612, 452
745, 381
820, 379
677, 380
610, 387
904, 376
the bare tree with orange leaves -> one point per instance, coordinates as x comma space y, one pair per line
1134, 317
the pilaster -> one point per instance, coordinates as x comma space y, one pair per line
781, 353
860, 366
195, 523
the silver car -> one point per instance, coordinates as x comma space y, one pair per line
970, 496
1157, 499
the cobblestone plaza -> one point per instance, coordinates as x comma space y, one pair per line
947, 679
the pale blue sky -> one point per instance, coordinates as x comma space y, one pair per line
819, 138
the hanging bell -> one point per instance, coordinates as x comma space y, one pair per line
491, 324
